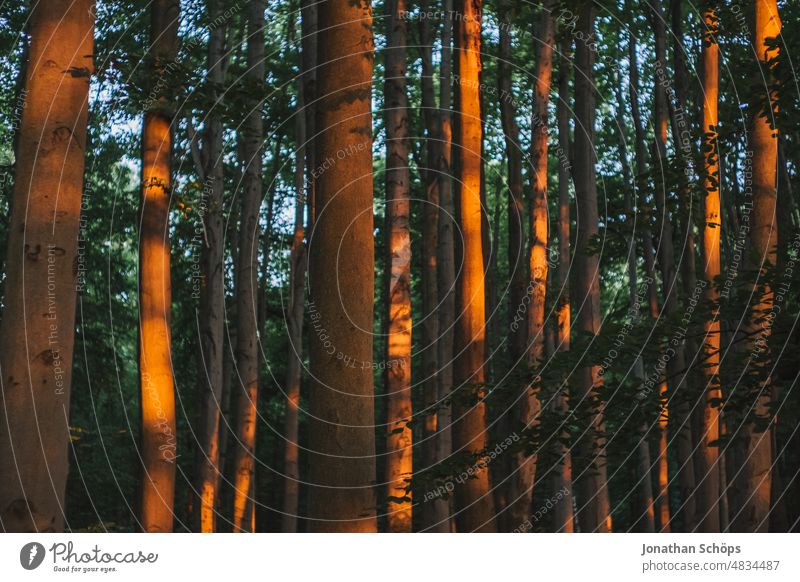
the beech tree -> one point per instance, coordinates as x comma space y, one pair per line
159, 446
37, 331
473, 498
341, 277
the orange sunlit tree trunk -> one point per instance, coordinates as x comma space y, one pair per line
398, 342
155, 362
708, 482
528, 408
753, 481
247, 352
341, 276
38, 326
594, 511
475, 507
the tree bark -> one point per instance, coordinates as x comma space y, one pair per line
660, 468
38, 325
753, 480
155, 365
295, 311
473, 498
398, 348
708, 481
676, 365
434, 511
341, 427
527, 408
211, 315
446, 279
594, 510
247, 338
563, 519
645, 508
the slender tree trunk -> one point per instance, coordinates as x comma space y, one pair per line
527, 409
518, 268
38, 326
676, 365
446, 279
754, 476
690, 413
474, 497
434, 512
645, 508
247, 340
155, 365
594, 511
563, 519
661, 474
309, 64
708, 481
295, 310
398, 352
342, 439
212, 293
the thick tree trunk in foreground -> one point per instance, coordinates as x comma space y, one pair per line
341, 428
753, 481
211, 316
247, 341
38, 327
594, 510
475, 507
398, 352
708, 482
155, 365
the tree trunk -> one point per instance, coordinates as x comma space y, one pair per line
563, 520
708, 481
38, 326
527, 407
474, 497
212, 293
661, 501
341, 428
247, 339
645, 508
445, 254
690, 414
295, 311
518, 268
754, 476
594, 512
398, 348
155, 365
676, 365
434, 511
